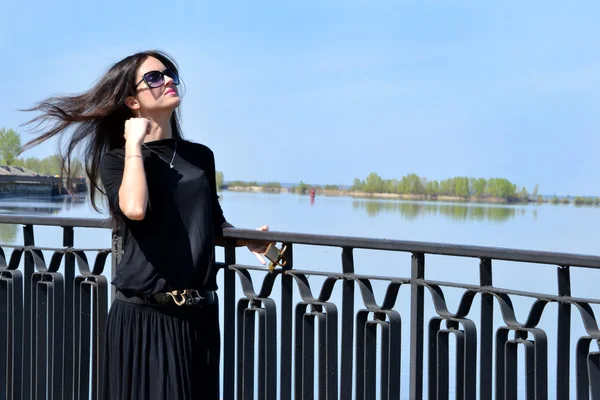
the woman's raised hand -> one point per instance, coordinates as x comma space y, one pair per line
136, 130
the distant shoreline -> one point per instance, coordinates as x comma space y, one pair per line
395, 196
459, 189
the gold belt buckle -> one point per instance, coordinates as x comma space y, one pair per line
276, 256
178, 296
190, 297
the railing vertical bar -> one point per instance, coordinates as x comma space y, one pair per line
56, 334
6, 340
100, 313
384, 379
432, 355
287, 298
41, 342
69, 279
501, 338
540, 344
28, 338
361, 356
510, 370
594, 374
270, 310
370, 360
331, 326
470, 357
443, 365
84, 339
261, 365
76, 345
298, 349
563, 342
229, 317
240, 348
322, 352
347, 334
248, 354
581, 368
17, 331
308, 357
486, 332
460, 364
416, 326
530, 373
394, 354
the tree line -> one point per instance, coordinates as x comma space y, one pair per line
463, 187
411, 184
10, 148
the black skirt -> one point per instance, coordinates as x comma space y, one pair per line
161, 352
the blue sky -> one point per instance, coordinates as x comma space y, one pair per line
326, 91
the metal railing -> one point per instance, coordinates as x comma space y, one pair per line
306, 344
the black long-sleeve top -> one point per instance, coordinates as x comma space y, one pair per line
173, 246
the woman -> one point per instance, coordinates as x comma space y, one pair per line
163, 338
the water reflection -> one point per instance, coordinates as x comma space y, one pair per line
40, 206
455, 212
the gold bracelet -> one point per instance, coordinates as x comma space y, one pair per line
133, 155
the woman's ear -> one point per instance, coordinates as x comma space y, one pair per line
132, 103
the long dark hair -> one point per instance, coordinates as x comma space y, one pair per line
95, 119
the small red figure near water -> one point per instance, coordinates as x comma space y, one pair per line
312, 196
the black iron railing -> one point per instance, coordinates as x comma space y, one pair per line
52, 312
325, 337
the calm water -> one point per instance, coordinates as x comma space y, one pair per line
541, 227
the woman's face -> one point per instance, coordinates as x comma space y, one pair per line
154, 99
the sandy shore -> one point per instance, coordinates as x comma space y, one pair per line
256, 189
415, 197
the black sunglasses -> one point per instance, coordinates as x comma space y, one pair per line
156, 79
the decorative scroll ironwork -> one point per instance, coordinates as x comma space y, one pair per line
55, 315
485, 354
322, 338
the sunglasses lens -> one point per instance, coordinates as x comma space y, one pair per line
173, 75
154, 79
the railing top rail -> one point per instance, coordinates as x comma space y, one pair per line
56, 221
495, 253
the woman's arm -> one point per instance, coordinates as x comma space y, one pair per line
133, 193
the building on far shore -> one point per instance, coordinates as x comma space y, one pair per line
19, 181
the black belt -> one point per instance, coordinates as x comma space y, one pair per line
187, 297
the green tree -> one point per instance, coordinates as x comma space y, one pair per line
271, 185
432, 188
524, 195
301, 188
478, 187
220, 179
10, 145
51, 165
374, 183
358, 185
415, 184
462, 187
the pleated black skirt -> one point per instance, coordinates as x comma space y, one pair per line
161, 352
